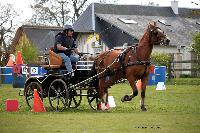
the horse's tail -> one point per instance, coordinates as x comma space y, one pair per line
93, 72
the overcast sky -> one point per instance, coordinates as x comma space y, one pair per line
23, 5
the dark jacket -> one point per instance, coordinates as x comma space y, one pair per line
65, 41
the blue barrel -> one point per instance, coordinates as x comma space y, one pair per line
160, 74
151, 80
7, 75
18, 78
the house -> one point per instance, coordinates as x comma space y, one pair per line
40, 36
116, 25
106, 26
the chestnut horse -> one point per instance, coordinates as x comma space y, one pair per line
131, 64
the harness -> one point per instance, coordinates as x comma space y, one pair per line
132, 63
121, 58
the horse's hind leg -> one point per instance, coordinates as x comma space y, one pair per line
143, 90
134, 90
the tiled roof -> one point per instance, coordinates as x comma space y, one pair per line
180, 32
133, 10
41, 36
183, 25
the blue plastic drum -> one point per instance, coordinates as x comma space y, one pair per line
7, 75
160, 74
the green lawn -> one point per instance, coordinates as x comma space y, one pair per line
175, 110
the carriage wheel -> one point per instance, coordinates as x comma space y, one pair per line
75, 97
29, 92
92, 96
58, 95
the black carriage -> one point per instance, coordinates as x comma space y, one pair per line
62, 89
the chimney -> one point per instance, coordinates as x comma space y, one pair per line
174, 6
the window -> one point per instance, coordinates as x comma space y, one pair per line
127, 21
163, 22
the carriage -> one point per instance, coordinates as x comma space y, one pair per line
61, 88
109, 67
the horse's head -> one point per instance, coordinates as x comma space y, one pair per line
157, 36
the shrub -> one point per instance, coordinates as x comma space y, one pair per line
160, 59
196, 45
28, 50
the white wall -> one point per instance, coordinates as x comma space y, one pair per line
95, 47
91, 45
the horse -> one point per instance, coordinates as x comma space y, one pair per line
131, 64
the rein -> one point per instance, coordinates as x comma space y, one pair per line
121, 58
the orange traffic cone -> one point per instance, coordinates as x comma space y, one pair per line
37, 103
19, 60
139, 84
10, 63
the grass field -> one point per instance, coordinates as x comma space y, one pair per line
175, 110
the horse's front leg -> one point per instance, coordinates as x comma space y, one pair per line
103, 95
134, 90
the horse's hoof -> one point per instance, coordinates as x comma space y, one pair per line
143, 108
125, 98
122, 99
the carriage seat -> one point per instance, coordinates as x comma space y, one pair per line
55, 61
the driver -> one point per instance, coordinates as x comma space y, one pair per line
64, 43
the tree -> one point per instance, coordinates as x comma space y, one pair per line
196, 48
196, 44
6, 26
50, 12
57, 12
108, 1
31, 56
78, 6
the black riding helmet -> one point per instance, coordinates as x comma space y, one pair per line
67, 28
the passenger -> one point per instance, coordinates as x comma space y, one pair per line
64, 43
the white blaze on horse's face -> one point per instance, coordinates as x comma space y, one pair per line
162, 37
158, 35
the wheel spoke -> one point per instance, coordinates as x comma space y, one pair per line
75, 98
57, 104
29, 92
92, 99
70, 102
54, 98
62, 100
75, 101
54, 89
29, 98
57, 95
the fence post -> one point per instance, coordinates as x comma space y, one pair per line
0, 76
169, 70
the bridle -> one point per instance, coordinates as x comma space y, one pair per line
154, 32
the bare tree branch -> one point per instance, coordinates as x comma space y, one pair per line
8, 13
